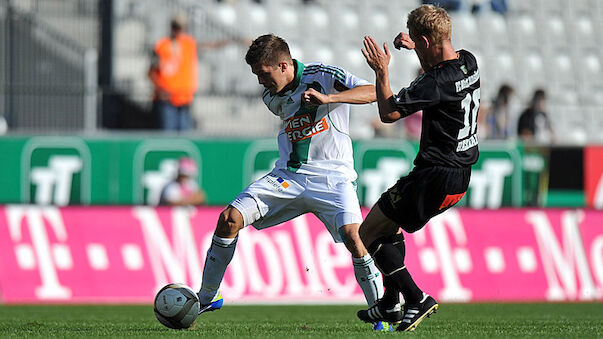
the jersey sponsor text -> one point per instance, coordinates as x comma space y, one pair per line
301, 127
465, 83
466, 144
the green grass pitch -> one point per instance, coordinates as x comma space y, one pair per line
324, 321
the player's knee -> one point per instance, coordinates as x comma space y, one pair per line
230, 223
364, 234
350, 233
352, 240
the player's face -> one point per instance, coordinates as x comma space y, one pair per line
271, 77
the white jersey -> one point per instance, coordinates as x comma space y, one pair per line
315, 140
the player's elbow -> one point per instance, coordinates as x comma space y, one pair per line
388, 118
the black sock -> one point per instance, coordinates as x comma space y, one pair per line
391, 296
389, 253
411, 292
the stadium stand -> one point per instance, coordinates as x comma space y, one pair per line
553, 44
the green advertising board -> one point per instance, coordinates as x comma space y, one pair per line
132, 170
379, 164
496, 178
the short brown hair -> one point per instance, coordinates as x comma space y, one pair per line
430, 21
268, 50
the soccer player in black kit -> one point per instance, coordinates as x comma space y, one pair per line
448, 93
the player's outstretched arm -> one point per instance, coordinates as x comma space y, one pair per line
378, 60
358, 95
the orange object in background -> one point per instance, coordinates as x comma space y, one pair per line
178, 68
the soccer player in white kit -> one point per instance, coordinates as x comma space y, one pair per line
315, 172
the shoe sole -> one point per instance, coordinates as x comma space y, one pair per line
382, 320
372, 321
208, 309
429, 312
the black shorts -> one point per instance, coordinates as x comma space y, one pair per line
422, 194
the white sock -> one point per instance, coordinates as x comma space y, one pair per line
369, 278
218, 257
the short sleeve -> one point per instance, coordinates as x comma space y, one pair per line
352, 81
334, 77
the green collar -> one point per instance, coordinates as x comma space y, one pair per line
299, 71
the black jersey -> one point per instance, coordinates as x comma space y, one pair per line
449, 95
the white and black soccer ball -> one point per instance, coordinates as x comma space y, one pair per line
176, 306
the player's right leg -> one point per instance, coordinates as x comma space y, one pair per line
218, 257
335, 202
268, 201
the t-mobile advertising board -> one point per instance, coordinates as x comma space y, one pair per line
125, 254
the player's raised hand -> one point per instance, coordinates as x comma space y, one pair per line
403, 40
312, 97
376, 58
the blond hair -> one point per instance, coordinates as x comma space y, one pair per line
430, 21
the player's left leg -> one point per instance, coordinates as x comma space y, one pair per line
376, 227
367, 274
389, 252
335, 203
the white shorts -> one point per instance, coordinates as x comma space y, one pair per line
282, 195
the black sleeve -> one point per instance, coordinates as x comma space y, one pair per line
422, 93
523, 123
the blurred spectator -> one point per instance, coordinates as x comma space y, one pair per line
499, 116
448, 5
414, 122
534, 124
413, 125
183, 190
173, 72
409, 127
475, 6
497, 6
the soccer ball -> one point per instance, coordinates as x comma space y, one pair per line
176, 306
